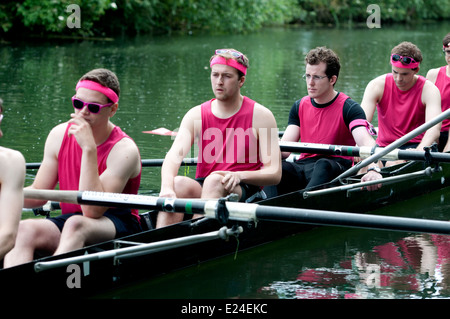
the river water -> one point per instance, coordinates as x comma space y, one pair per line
163, 77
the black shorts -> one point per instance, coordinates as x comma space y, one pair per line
247, 189
124, 222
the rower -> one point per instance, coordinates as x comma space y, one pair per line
87, 153
12, 178
404, 100
324, 116
441, 78
237, 139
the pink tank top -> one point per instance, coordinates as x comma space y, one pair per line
324, 125
227, 144
443, 84
69, 164
400, 112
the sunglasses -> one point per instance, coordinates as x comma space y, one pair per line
92, 107
403, 59
234, 53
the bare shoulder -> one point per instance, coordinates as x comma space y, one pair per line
432, 75
10, 156
262, 111
194, 113
13, 164
378, 82
57, 132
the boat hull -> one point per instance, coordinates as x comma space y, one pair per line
88, 278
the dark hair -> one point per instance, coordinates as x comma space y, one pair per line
446, 40
328, 56
105, 77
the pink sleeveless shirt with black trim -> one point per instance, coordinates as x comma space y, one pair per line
400, 112
324, 125
227, 144
69, 165
443, 84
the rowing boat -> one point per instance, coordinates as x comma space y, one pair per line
155, 252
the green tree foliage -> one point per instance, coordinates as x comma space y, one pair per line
110, 17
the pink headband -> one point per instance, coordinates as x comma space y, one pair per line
230, 62
91, 85
399, 64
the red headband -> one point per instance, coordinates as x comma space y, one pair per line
230, 62
91, 85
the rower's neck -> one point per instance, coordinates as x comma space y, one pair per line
227, 108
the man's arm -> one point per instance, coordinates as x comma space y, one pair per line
47, 175
431, 98
291, 134
123, 163
12, 177
372, 95
432, 75
190, 127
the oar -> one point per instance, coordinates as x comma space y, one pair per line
189, 161
245, 212
363, 152
166, 132
375, 157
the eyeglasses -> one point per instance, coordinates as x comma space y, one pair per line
92, 107
403, 59
308, 77
234, 53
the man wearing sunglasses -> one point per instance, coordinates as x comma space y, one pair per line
404, 100
237, 139
12, 177
441, 78
86, 153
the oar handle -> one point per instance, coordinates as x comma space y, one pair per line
52, 195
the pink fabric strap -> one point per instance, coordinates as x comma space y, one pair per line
230, 62
399, 64
91, 85
364, 123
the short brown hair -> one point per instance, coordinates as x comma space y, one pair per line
408, 49
105, 77
328, 56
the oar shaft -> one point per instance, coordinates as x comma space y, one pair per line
157, 162
330, 218
406, 138
363, 152
242, 211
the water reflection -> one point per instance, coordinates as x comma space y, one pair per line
415, 267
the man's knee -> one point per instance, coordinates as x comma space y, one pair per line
185, 187
74, 224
